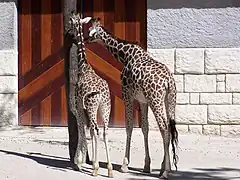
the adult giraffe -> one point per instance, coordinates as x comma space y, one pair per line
149, 82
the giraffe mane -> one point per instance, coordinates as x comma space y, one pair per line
122, 40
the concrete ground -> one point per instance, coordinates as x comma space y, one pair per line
42, 153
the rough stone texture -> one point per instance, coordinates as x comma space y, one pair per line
192, 23
222, 60
190, 60
165, 56
182, 128
215, 98
196, 129
8, 25
211, 129
230, 130
8, 84
182, 98
8, 109
233, 82
200, 83
191, 114
223, 114
221, 77
236, 98
8, 62
221, 86
179, 82
194, 98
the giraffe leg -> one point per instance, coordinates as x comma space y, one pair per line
105, 109
145, 131
78, 159
158, 111
93, 144
129, 129
109, 164
95, 163
92, 104
166, 166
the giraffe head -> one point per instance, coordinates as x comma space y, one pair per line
95, 30
76, 23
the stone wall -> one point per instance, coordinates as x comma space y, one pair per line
199, 41
193, 23
208, 85
9, 63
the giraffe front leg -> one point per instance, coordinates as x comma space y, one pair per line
145, 131
129, 129
78, 155
81, 150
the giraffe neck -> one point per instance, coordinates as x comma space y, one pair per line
81, 54
119, 48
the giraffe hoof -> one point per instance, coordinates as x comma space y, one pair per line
147, 169
110, 174
95, 172
163, 175
76, 167
124, 169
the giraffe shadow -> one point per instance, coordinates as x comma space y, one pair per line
63, 164
53, 162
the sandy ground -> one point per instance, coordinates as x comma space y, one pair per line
42, 153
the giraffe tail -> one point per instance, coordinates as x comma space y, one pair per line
171, 105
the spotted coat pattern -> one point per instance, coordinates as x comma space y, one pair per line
92, 94
148, 81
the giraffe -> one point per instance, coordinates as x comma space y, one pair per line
92, 94
150, 83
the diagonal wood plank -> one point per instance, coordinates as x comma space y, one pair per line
40, 82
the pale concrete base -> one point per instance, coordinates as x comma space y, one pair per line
42, 153
8, 88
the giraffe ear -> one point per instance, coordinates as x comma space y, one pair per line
86, 20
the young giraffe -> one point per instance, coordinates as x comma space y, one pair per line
151, 83
92, 93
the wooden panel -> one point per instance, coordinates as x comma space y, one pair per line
46, 111
119, 23
41, 65
42, 94
25, 57
46, 27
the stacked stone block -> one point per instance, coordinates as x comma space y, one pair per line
208, 86
9, 64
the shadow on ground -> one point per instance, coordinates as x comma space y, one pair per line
196, 174
62, 164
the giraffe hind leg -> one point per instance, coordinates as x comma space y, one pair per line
105, 109
92, 104
158, 111
145, 131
